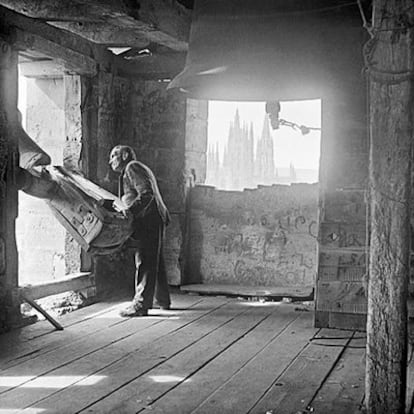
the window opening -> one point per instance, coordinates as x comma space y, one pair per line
45, 250
247, 148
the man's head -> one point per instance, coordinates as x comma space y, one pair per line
120, 156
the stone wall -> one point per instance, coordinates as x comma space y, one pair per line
256, 237
144, 115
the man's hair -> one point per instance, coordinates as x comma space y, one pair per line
128, 150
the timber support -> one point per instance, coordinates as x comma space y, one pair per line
390, 64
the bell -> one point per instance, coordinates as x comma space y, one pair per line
260, 50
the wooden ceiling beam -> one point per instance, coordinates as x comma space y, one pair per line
152, 67
104, 33
30, 34
51, 9
72, 60
159, 21
80, 55
42, 69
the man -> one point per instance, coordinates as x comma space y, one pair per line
139, 192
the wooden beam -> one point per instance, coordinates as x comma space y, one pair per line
36, 306
390, 68
31, 34
73, 282
159, 21
69, 59
79, 55
151, 67
42, 69
50, 9
105, 33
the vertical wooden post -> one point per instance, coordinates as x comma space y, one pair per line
389, 58
9, 306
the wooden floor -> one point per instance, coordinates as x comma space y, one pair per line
207, 355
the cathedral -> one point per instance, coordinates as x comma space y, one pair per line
246, 162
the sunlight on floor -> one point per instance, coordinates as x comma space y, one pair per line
260, 303
49, 381
27, 410
167, 378
15, 381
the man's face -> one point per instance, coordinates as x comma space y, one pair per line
115, 160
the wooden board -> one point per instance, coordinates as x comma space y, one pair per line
342, 257
74, 282
340, 296
300, 292
291, 391
349, 321
341, 273
181, 367
39, 338
342, 235
344, 389
215, 355
112, 372
190, 394
345, 206
91, 355
240, 393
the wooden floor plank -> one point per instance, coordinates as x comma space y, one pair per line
189, 394
76, 342
76, 329
18, 343
44, 364
219, 356
182, 366
42, 327
344, 388
105, 381
294, 389
32, 390
242, 391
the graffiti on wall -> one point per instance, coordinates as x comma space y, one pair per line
257, 246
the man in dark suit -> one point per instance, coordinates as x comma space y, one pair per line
138, 190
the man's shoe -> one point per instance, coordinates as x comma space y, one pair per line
132, 311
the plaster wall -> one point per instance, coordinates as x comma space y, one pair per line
256, 237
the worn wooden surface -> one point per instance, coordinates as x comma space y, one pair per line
298, 292
76, 282
389, 60
206, 355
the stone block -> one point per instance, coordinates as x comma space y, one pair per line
173, 249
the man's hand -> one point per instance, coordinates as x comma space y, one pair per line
122, 209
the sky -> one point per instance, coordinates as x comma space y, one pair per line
290, 146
